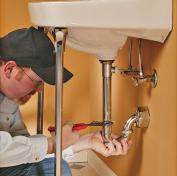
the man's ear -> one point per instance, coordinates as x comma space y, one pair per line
8, 67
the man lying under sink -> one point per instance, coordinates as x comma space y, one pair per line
26, 61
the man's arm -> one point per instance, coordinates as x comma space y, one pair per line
20, 149
69, 137
92, 141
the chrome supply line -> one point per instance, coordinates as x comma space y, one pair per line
138, 75
141, 77
129, 71
130, 55
141, 74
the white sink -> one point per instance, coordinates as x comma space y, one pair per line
101, 27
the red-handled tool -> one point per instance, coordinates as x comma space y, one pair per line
81, 126
51, 129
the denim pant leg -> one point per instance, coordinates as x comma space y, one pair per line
43, 168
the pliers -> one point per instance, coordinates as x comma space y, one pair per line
80, 126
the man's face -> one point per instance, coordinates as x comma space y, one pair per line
19, 83
32, 81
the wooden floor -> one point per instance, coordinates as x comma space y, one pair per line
82, 169
87, 163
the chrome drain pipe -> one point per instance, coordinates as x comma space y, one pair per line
107, 74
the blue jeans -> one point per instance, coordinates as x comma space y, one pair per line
42, 168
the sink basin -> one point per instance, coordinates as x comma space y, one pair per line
101, 27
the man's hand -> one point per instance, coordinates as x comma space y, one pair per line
69, 136
95, 141
114, 147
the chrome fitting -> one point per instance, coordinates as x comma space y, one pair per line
140, 120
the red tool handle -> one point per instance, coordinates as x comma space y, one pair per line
51, 129
76, 127
79, 126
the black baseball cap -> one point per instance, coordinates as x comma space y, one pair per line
30, 47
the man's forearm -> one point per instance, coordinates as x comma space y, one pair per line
82, 144
69, 137
20, 149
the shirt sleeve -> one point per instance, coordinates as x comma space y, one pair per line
68, 152
21, 150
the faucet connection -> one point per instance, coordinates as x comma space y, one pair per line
138, 75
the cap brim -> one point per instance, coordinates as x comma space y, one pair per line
48, 74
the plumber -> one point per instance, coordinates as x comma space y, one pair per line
27, 59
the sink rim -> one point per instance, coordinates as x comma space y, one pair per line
153, 29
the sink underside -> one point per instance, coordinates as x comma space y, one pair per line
104, 25
103, 43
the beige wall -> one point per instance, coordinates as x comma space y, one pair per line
153, 151
162, 102
14, 15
